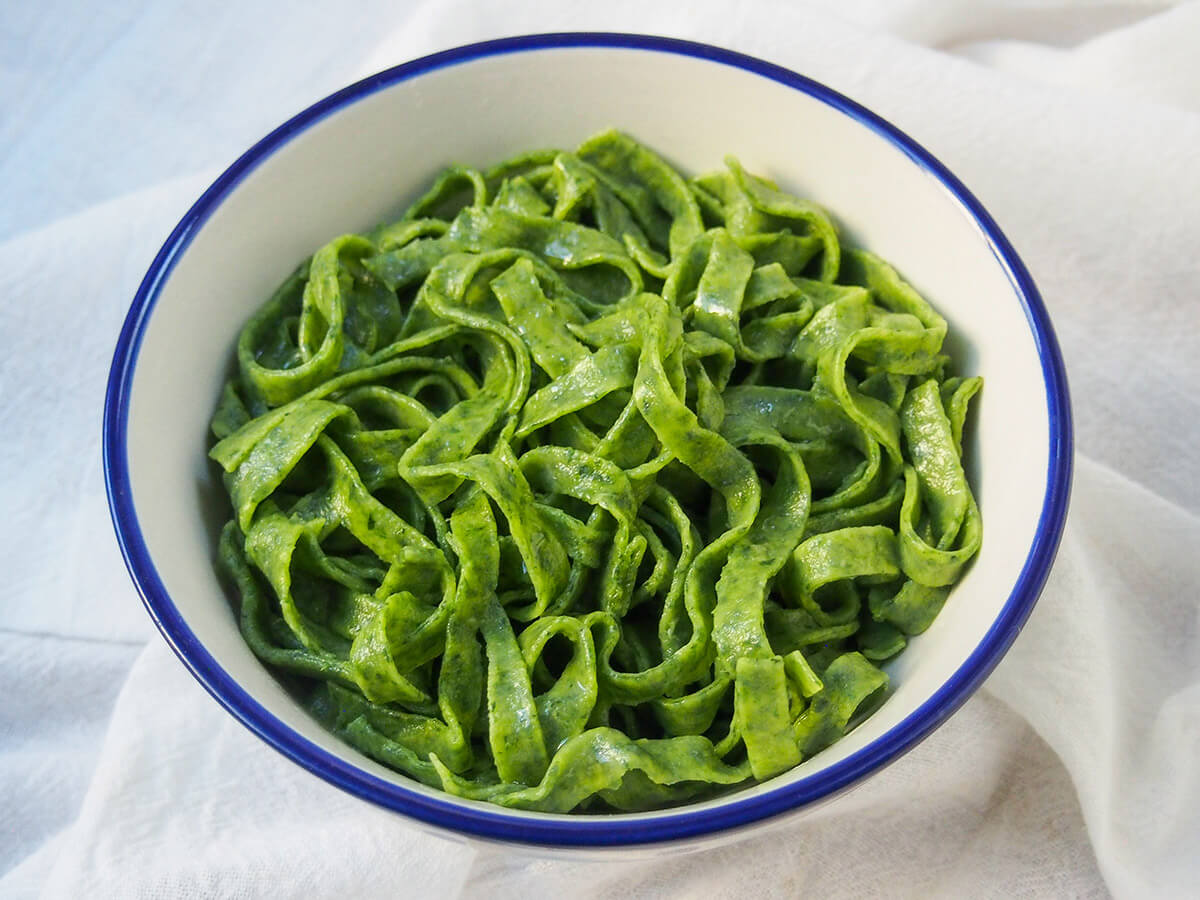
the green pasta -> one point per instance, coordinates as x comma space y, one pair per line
588, 487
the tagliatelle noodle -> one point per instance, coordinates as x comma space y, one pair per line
584, 486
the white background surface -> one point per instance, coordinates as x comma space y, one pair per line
1074, 772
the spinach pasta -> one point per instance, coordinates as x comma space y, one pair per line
588, 487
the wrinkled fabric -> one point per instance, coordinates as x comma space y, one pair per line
1072, 772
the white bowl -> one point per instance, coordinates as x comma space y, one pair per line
358, 157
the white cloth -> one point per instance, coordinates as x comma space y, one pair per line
1073, 772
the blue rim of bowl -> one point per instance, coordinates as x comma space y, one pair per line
585, 831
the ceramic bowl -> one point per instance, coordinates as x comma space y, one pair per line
359, 156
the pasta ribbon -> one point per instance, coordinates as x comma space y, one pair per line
586, 486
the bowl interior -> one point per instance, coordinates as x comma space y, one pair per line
360, 163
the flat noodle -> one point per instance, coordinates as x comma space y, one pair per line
584, 487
